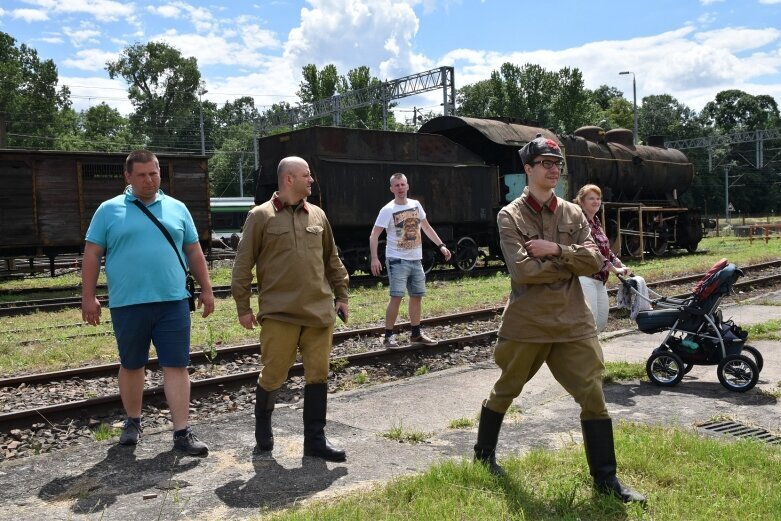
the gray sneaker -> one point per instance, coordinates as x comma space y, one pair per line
423, 339
390, 342
190, 444
131, 431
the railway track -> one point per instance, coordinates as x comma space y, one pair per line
22, 307
58, 400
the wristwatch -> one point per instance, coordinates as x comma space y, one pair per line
441, 246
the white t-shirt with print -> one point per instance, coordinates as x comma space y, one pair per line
402, 229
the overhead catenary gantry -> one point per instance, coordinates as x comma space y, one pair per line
383, 93
711, 142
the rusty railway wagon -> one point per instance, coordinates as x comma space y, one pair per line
641, 184
463, 170
48, 197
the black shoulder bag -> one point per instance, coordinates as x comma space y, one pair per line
189, 281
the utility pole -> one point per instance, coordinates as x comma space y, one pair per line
727, 205
241, 175
201, 92
3, 138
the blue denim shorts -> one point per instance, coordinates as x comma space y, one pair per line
166, 324
406, 274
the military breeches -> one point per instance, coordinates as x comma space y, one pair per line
577, 366
279, 344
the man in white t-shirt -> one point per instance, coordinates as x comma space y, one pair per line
403, 219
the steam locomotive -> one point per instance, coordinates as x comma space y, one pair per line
463, 170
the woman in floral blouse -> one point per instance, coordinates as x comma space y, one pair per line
590, 199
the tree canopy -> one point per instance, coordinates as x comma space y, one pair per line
163, 87
29, 96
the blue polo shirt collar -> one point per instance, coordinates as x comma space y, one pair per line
129, 197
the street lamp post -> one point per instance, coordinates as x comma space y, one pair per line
634, 99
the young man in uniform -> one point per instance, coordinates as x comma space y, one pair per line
547, 244
402, 219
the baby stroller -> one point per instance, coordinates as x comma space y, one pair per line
698, 334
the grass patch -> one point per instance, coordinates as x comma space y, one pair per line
361, 378
685, 477
770, 330
402, 435
461, 423
621, 371
423, 369
58, 340
105, 432
338, 364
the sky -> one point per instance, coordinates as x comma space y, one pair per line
690, 49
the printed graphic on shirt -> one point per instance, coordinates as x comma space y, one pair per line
407, 226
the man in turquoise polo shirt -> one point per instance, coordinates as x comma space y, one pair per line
147, 296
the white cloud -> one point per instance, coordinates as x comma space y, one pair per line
2, 11
350, 33
710, 2
683, 63
770, 2
737, 39
30, 15
211, 49
274, 78
104, 10
166, 11
52, 39
90, 59
81, 35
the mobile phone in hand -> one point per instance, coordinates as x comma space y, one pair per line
340, 314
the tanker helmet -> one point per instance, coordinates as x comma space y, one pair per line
539, 146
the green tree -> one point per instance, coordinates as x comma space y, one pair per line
317, 85
163, 87
555, 100
100, 128
29, 96
663, 115
734, 110
477, 100
604, 95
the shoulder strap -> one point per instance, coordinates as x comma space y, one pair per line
152, 218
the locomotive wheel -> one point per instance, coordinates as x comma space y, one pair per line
466, 254
429, 260
737, 373
612, 235
664, 368
632, 242
692, 248
659, 246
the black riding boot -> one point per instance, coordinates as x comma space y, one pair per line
487, 437
601, 456
315, 442
264, 406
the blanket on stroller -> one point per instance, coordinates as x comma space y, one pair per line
628, 299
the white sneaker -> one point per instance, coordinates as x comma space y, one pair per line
390, 342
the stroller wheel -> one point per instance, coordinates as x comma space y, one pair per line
755, 356
687, 368
738, 373
664, 368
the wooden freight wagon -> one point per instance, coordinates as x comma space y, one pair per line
48, 197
